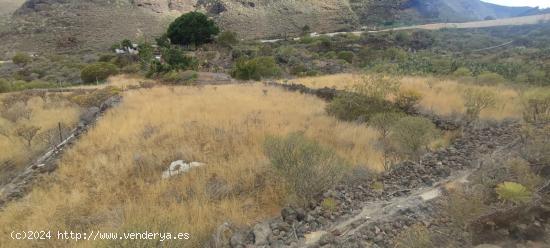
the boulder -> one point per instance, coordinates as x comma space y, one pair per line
261, 232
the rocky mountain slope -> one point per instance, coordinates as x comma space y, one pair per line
71, 25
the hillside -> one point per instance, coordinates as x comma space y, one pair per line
69, 26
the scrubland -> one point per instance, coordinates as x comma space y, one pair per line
111, 179
442, 96
29, 124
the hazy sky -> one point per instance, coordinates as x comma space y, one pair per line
540, 3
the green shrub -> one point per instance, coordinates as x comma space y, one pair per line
358, 107
490, 78
463, 205
476, 100
227, 39
412, 135
21, 58
536, 105
177, 60
256, 69
4, 86
407, 99
462, 72
329, 204
97, 72
307, 168
192, 28
513, 192
181, 78
416, 236
347, 56
377, 86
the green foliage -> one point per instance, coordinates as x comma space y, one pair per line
177, 60
462, 72
358, 107
4, 86
346, 55
146, 54
256, 69
377, 86
416, 236
179, 77
513, 192
21, 58
407, 99
329, 204
412, 135
383, 122
307, 168
97, 72
192, 28
94, 98
464, 205
536, 105
227, 39
490, 78
476, 100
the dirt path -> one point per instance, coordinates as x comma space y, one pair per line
516, 21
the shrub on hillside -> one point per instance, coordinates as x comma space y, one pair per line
358, 107
192, 28
94, 98
97, 72
490, 78
412, 135
256, 69
536, 106
407, 99
179, 77
307, 168
416, 236
383, 123
377, 86
513, 192
21, 58
476, 100
347, 56
227, 39
462, 72
4, 86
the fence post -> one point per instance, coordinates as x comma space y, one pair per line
60, 133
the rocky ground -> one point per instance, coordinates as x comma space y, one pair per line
371, 211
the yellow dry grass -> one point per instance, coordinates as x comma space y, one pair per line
122, 81
443, 96
45, 113
111, 179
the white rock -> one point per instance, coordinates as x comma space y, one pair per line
178, 167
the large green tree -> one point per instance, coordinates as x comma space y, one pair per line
193, 28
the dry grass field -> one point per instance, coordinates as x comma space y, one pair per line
443, 96
111, 179
42, 112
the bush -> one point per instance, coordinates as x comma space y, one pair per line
192, 28
307, 168
97, 72
256, 69
464, 205
4, 86
182, 78
412, 135
536, 105
416, 236
490, 78
21, 58
476, 100
347, 56
462, 72
357, 107
383, 123
377, 86
227, 39
513, 192
407, 99
94, 98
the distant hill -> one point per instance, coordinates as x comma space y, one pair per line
76, 25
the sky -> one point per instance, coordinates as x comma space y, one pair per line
533, 3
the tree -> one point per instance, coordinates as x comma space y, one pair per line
383, 123
27, 133
193, 28
21, 58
